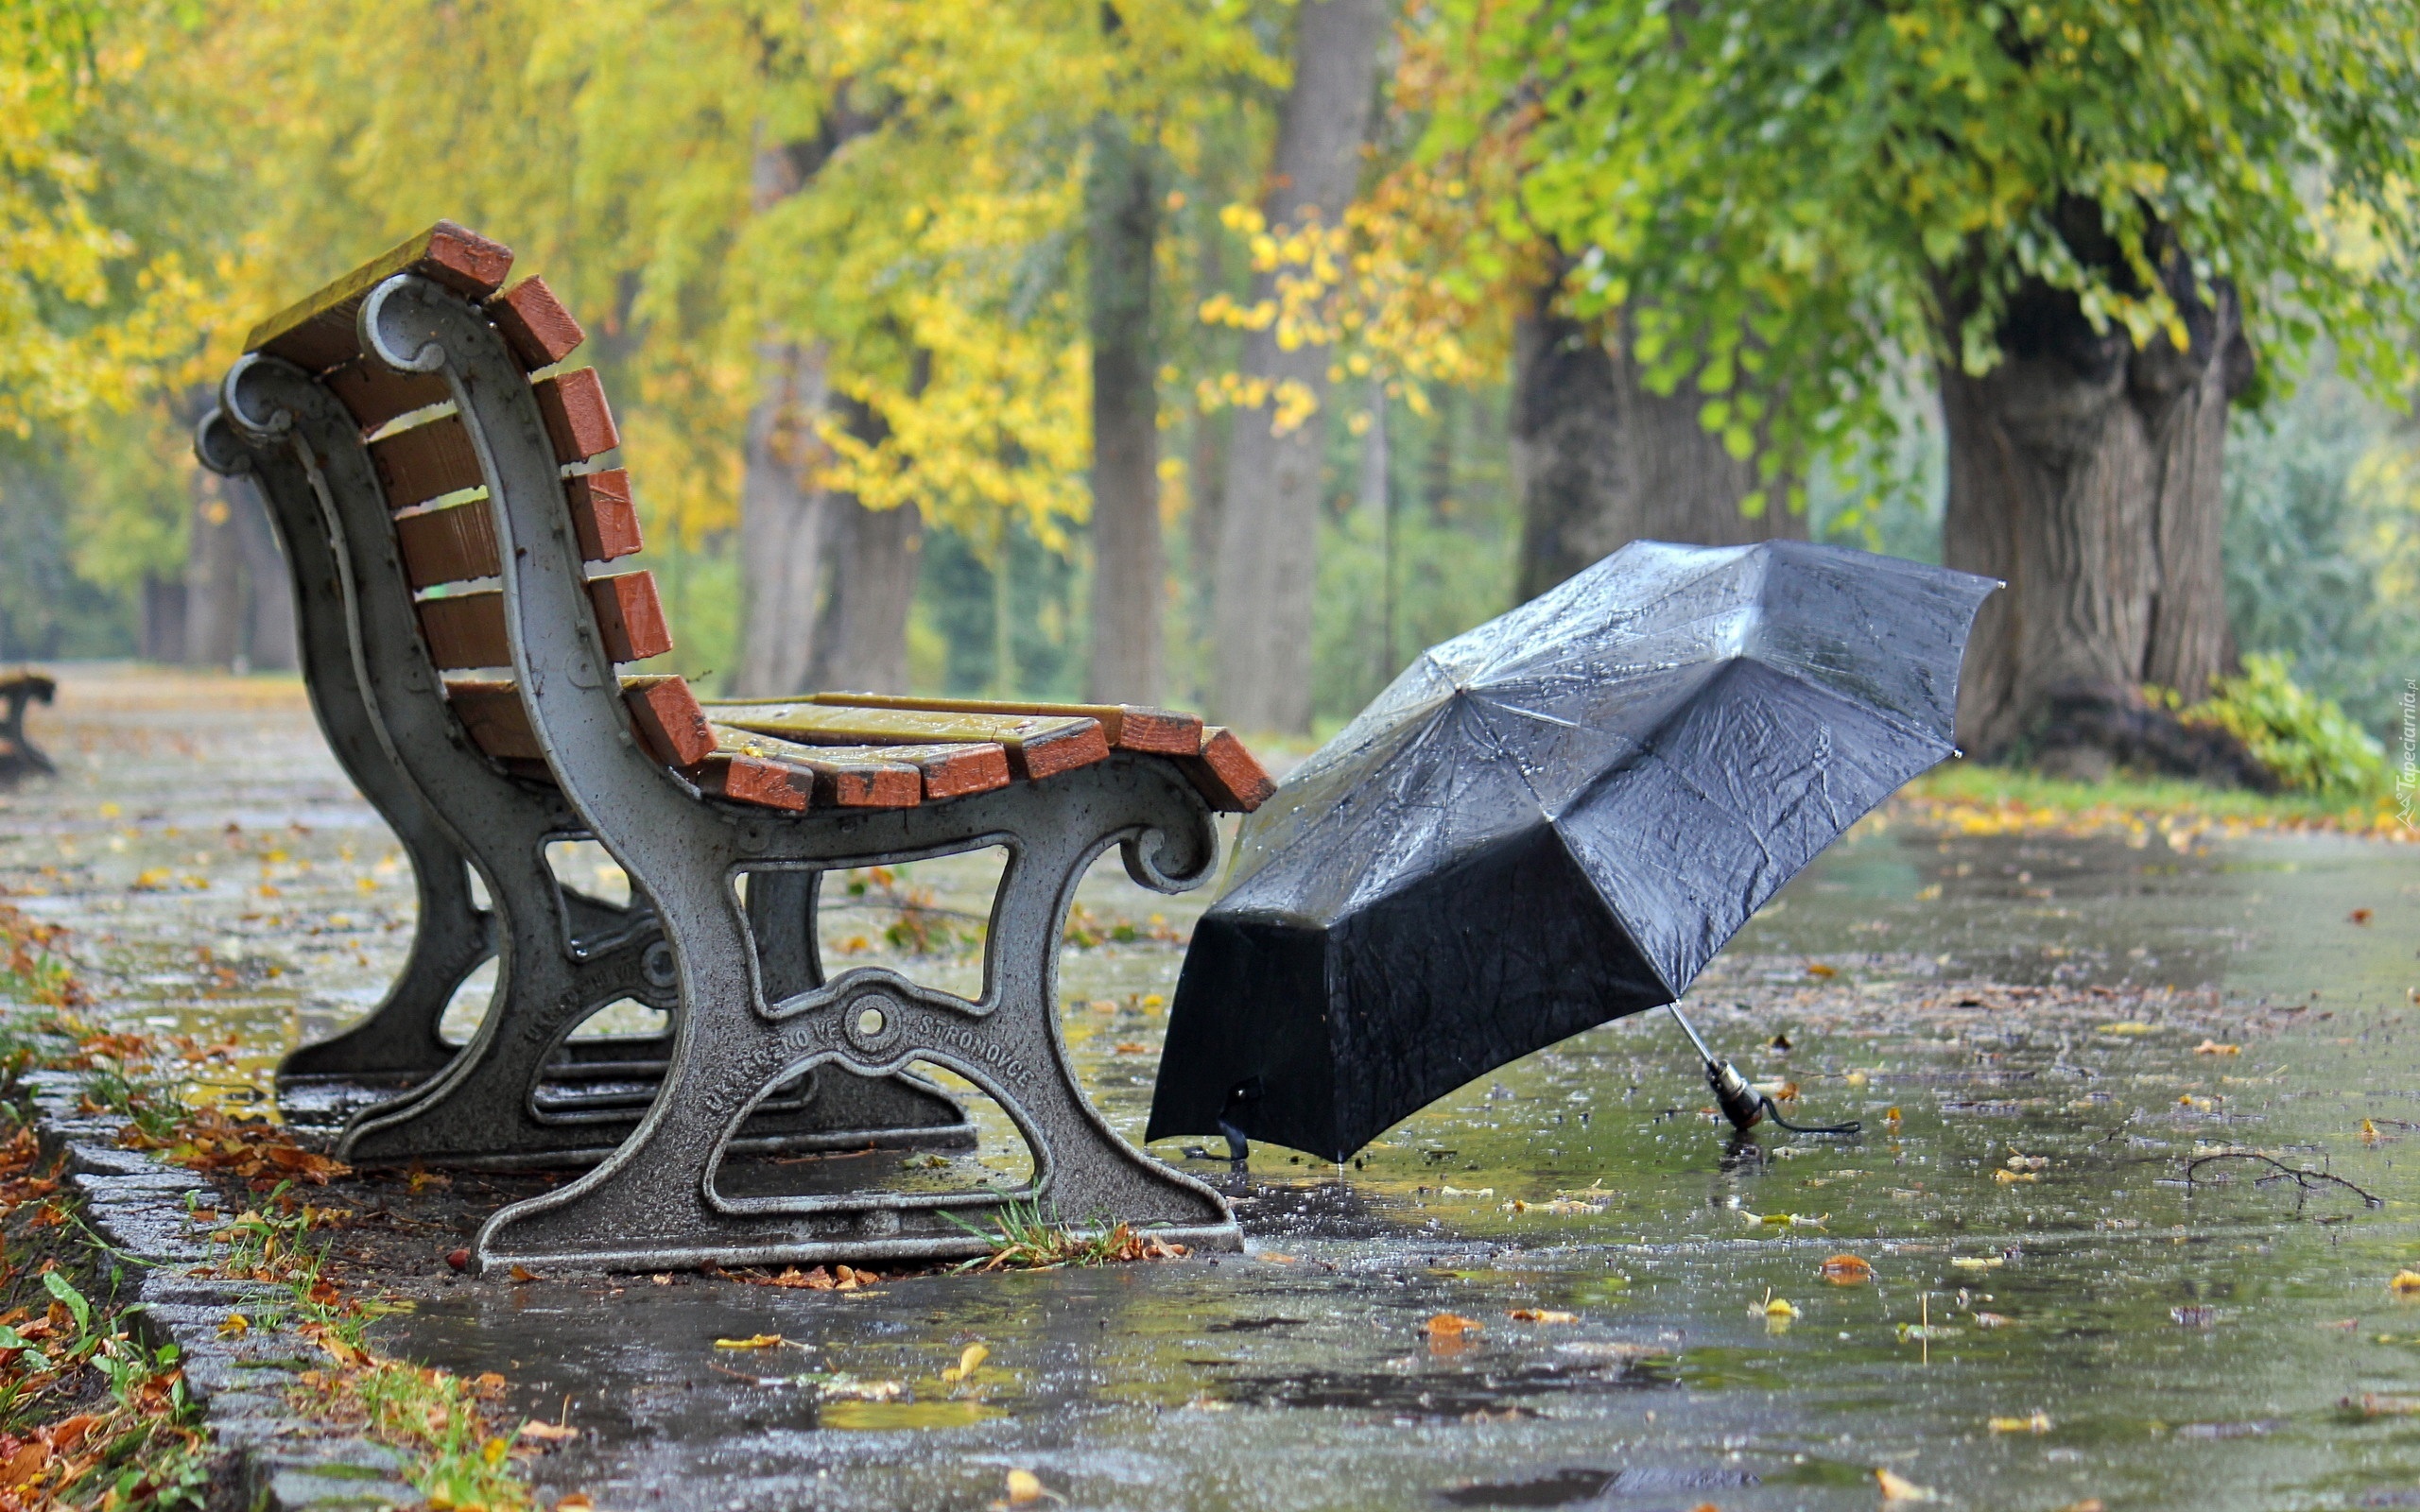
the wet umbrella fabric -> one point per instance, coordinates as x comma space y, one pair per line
1550, 822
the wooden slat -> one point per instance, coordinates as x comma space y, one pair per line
753, 780
670, 723
317, 331
535, 324
952, 770
849, 777
1227, 774
603, 514
426, 462
1128, 727
630, 615
448, 545
465, 630
373, 393
458, 542
663, 710
497, 723
1037, 746
579, 421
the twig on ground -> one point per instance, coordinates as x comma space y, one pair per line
2307, 1180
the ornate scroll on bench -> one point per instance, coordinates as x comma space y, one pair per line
521, 682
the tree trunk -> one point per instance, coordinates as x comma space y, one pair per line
2084, 474
214, 578
861, 642
1129, 569
783, 523
2189, 639
1269, 535
1600, 460
269, 589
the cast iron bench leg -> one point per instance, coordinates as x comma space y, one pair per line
656, 1202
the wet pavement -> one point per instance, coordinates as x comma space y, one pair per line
2056, 1311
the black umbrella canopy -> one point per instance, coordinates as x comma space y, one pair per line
1550, 822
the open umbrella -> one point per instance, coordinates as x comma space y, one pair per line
1550, 822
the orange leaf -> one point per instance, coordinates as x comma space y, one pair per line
1451, 1326
1846, 1270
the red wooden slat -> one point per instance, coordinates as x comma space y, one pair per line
670, 723
579, 421
630, 615
535, 324
603, 515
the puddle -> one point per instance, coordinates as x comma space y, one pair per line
2060, 1305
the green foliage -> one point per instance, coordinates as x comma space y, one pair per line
2304, 740
1783, 198
2323, 544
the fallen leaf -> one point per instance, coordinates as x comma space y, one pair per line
2369, 1132
2405, 1283
459, 1258
1891, 1118
1023, 1485
65, 1435
1541, 1314
2359, 915
2090, 1503
547, 1433
1274, 1258
2211, 1047
1451, 1326
754, 1341
25, 1464
234, 1326
1978, 1262
2195, 1317
1129, 1047
2038, 1422
2377, 1404
1819, 968
1993, 1320
576, 1501
969, 1360
488, 1383
1897, 1488
1846, 1270
2006, 1177
523, 1273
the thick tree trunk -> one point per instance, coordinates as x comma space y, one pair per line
1601, 460
2084, 474
1269, 535
861, 642
214, 578
783, 524
1130, 568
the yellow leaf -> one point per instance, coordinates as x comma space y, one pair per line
1820, 970
2405, 1283
2130, 1026
2211, 1047
968, 1360
754, 1341
1778, 1307
1897, 1488
1541, 1314
493, 1451
547, 1433
1023, 1485
2037, 1422
234, 1326
2005, 1177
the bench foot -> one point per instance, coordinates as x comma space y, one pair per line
658, 1204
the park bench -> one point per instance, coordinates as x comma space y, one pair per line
20, 757
457, 471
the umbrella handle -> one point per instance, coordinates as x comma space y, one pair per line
1742, 1104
